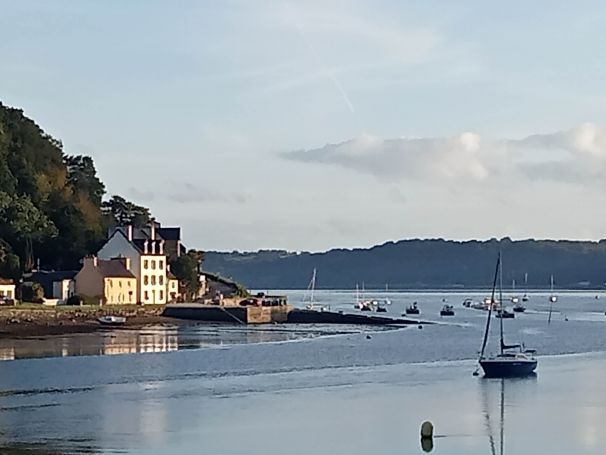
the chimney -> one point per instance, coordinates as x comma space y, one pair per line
91, 261
129, 232
153, 246
152, 229
161, 247
124, 261
145, 246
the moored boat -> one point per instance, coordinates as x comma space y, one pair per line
413, 309
504, 314
505, 363
111, 320
519, 308
447, 310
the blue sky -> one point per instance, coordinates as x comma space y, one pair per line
319, 124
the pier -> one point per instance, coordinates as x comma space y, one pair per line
279, 314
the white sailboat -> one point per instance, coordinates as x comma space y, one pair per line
514, 297
552, 298
311, 288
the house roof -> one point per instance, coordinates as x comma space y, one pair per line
170, 275
169, 233
140, 245
46, 278
6, 281
113, 269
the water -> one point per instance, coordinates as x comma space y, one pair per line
313, 389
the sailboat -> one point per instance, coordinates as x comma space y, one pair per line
311, 288
514, 298
525, 296
518, 307
552, 298
506, 363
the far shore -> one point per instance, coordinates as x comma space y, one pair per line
27, 320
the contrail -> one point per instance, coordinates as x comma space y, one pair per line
331, 75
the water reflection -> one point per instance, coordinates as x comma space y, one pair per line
158, 338
498, 388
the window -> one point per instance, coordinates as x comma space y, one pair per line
153, 279
153, 264
160, 265
145, 264
146, 296
161, 295
9, 294
145, 279
161, 279
120, 284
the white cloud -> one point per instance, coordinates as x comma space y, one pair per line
404, 157
571, 155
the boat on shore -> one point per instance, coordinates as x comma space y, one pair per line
111, 320
506, 363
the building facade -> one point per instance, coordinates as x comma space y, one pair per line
7, 288
110, 281
148, 261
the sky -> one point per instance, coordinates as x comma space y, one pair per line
312, 125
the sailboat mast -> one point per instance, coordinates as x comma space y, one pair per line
501, 300
313, 286
487, 329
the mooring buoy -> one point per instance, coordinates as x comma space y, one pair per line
427, 436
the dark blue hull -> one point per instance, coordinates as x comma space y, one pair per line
496, 368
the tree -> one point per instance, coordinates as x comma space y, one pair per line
82, 177
9, 262
119, 212
187, 270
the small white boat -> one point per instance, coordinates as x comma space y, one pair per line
111, 320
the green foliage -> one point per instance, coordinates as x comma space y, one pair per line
9, 261
187, 270
422, 264
118, 211
242, 291
52, 202
33, 293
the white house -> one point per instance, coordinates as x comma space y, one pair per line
7, 288
148, 262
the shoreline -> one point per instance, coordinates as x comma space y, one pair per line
18, 322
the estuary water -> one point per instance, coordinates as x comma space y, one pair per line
312, 389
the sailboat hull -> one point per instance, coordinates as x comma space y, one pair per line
508, 368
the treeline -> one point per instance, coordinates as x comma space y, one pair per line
52, 207
422, 264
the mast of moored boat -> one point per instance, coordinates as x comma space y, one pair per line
312, 286
487, 329
500, 266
